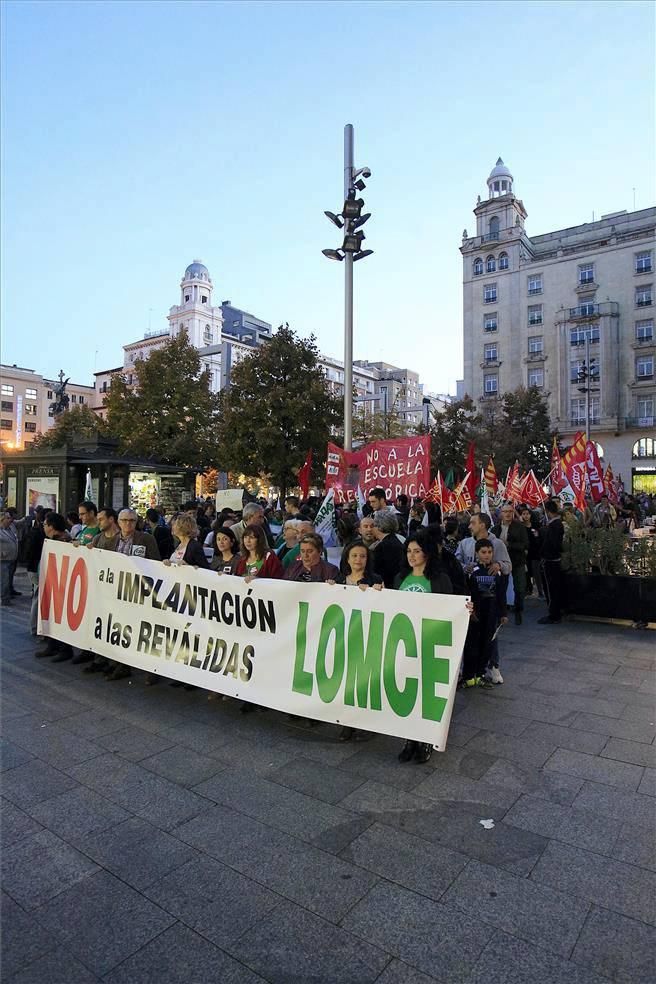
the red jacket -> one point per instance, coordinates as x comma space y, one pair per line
270, 568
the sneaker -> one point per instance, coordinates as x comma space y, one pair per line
472, 682
423, 753
495, 675
485, 682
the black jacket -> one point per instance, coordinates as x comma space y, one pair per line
195, 555
387, 558
33, 545
516, 544
552, 540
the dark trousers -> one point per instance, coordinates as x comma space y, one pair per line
479, 648
553, 587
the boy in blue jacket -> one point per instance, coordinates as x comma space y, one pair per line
488, 595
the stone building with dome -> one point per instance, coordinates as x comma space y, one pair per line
533, 306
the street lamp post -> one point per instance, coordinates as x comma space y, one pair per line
587, 374
351, 219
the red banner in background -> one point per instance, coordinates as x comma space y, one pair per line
401, 466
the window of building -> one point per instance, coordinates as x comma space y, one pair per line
7, 406
73, 398
577, 371
30, 427
586, 273
235, 324
130, 378
49, 395
643, 262
489, 293
103, 388
203, 299
490, 352
6, 425
30, 409
644, 448
490, 322
536, 378
7, 390
643, 296
645, 405
577, 410
478, 266
503, 261
30, 394
645, 367
490, 264
494, 221
535, 314
535, 345
577, 335
644, 330
490, 383
535, 284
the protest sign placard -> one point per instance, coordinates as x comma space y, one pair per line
383, 661
400, 465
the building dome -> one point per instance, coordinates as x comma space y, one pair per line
500, 170
500, 181
197, 271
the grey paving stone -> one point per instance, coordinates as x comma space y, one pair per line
137, 852
213, 900
56, 967
337, 838
646, 715
619, 948
398, 972
580, 828
459, 789
133, 743
630, 751
320, 781
536, 782
463, 762
532, 753
380, 765
576, 741
483, 716
284, 808
200, 736
38, 867
92, 723
615, 727
406, 859
108, 773
293, 945
325, 751
183, 766
34, 781
180, 956
636, 845
161, 802
14, 824
516, 905
507, 960
459, 734
617, 803
117, 921
51, 743
424, 934
617, 886
596, 769
379, 801
22, 939
253, 758
593, 705
648, 783
76, 812
285, 864
12, 755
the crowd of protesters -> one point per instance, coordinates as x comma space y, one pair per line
402, 546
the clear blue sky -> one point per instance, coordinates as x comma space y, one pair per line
138, 136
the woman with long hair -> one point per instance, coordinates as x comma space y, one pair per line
257, 560
356, 567
189, 551
226, 551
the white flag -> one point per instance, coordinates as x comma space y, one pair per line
485, 501
324, 522
424, 519
88, 488
361, 501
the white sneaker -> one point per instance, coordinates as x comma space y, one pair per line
495, 675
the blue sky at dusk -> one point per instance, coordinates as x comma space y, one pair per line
138, 136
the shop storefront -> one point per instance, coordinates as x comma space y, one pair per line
643, 471
57, 479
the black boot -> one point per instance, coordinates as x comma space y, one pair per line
50, 649
408, 751
424, 752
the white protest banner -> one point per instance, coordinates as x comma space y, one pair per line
383, 661
229, 499
324, 521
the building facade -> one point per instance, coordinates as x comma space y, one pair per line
571, 313
25, 410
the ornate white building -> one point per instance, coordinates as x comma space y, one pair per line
533, 305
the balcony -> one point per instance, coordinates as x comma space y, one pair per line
639, 421
490, 237
579, 422
583, 311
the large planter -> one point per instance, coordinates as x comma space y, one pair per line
611, 596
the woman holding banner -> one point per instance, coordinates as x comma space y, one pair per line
226, 551
189, 551
421, 573
256, 559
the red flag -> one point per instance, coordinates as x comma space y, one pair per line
532, 492
610, 486
461, 498
304, 475
574, 467
439, 493
513, 491
470, 470
491, 480
558, 480
595, 471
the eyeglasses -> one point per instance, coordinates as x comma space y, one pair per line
127, 520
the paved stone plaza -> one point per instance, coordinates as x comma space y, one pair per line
149, 835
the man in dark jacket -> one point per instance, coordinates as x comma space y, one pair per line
515, 536
388, 555
552, 548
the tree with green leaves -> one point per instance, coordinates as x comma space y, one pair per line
170, 413
74, 423
371, 426
517, 427
278, 406
451, 430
